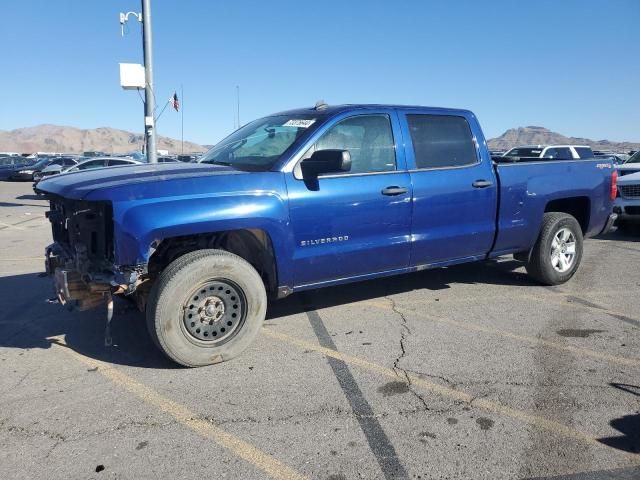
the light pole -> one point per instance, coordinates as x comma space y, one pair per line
149, 99
149, 96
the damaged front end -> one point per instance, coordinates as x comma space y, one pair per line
81, 259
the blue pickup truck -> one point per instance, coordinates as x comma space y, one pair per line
305, 199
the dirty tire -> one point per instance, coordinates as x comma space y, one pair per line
540, 266
172, 290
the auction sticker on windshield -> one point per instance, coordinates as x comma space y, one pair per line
299, 123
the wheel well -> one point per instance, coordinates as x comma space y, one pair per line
577, 207
253, 245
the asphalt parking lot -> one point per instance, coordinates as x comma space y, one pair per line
467, 372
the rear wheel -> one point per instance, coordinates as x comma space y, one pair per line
206, 307
558, 251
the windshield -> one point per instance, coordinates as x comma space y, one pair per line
524, 152
41, 163
259, 144
584, 152
635, 158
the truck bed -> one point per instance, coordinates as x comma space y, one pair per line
528, 189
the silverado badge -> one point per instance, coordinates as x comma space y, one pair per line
320, 241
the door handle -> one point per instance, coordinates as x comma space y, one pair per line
481, 184
392, 191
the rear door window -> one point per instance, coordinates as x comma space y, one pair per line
113, 163
524, 152
441, 141
91, 164
559, 153
584, 152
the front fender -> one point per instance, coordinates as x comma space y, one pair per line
140, 225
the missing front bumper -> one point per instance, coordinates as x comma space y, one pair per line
72, 291
71, 288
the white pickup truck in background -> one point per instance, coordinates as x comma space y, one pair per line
556, 152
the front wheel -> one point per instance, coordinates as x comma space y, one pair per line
558, 250
206, 307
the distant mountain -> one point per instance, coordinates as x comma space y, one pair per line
543, 136
57, 138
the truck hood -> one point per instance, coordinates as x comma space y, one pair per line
628, 168
101, 182
630, 179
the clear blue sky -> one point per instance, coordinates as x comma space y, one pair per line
570, 65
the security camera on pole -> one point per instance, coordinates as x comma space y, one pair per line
132, 76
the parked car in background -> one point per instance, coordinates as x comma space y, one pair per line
616, 158
26, 173
93, 154
8, 165
187, 158
143, 158
54, 168
627, 203
101, 162
630, 166
87, 164
555, 152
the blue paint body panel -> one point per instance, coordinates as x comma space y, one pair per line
346, 229
527, 189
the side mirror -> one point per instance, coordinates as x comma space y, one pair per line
325, 161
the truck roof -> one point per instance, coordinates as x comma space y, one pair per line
334, 109
553, 146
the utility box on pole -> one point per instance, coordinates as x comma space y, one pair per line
132, 76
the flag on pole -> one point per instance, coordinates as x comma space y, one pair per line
175, 103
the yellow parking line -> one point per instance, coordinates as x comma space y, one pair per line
458, 395
186, 417
473, 327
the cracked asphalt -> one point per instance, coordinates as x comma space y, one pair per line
470, 372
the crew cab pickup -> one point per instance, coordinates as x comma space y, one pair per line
553, 152
305, 199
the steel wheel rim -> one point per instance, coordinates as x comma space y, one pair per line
214, 312
563, 250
